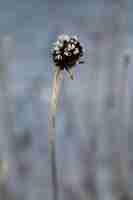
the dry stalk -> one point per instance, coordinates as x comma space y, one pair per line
51, 134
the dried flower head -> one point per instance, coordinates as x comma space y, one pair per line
67, 52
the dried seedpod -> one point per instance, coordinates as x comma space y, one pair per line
67, 52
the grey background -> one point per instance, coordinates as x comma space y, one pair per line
94, 119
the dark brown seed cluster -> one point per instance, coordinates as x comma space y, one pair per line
67, 52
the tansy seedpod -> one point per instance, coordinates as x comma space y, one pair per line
67, 52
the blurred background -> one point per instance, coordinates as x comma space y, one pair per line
94, 126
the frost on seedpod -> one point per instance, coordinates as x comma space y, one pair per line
67, 51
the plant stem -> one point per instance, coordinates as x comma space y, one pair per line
51, 133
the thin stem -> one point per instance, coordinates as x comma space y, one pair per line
51, 133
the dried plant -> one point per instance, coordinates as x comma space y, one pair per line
66, 53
